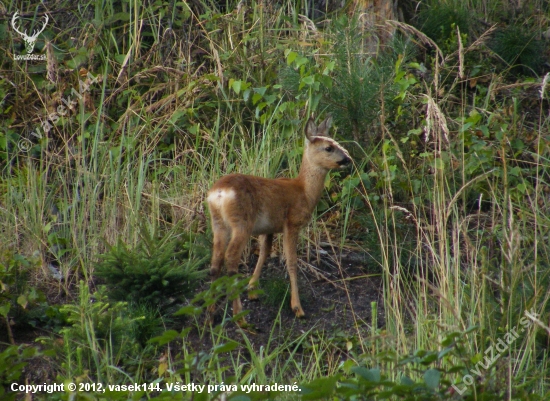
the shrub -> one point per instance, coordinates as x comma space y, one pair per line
12, 361
100, 334
363, 84
354, 85
17, 297
158, 271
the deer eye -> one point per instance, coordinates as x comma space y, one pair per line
329, 148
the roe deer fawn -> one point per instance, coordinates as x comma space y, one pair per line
244, 205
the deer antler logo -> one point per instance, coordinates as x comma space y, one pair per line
29, 40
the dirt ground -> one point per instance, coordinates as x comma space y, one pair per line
335, 292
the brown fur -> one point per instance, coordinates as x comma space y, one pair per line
244, 205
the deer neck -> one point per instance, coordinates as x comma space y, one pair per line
312, 179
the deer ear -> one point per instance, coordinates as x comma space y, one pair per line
311, 128
324, 127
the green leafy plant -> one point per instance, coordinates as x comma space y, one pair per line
150, 323
17, 297
427, 375
13, 359
225, 288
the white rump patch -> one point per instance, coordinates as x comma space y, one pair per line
218, 197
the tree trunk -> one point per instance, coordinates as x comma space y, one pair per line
373, 15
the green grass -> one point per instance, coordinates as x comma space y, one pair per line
448, 195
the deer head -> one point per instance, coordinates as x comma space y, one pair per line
29, 40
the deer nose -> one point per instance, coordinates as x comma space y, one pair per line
344, 162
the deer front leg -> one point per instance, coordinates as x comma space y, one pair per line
265, 248
289, 244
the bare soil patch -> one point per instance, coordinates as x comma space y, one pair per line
336, 296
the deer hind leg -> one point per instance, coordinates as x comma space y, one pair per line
233, 254
266, 241
290, 241
221, 238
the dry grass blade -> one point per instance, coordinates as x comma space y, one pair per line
317, 273
308, 24
459, 193
516, 85
543, 84
51, 63
474, 46
437, 293
460, 54
482, 39
435, 118
411, 30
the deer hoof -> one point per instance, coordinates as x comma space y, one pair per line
252, 294
299, 312
210, 312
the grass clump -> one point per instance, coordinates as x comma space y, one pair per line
275, 291
519, 47
99, 334
438, 20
